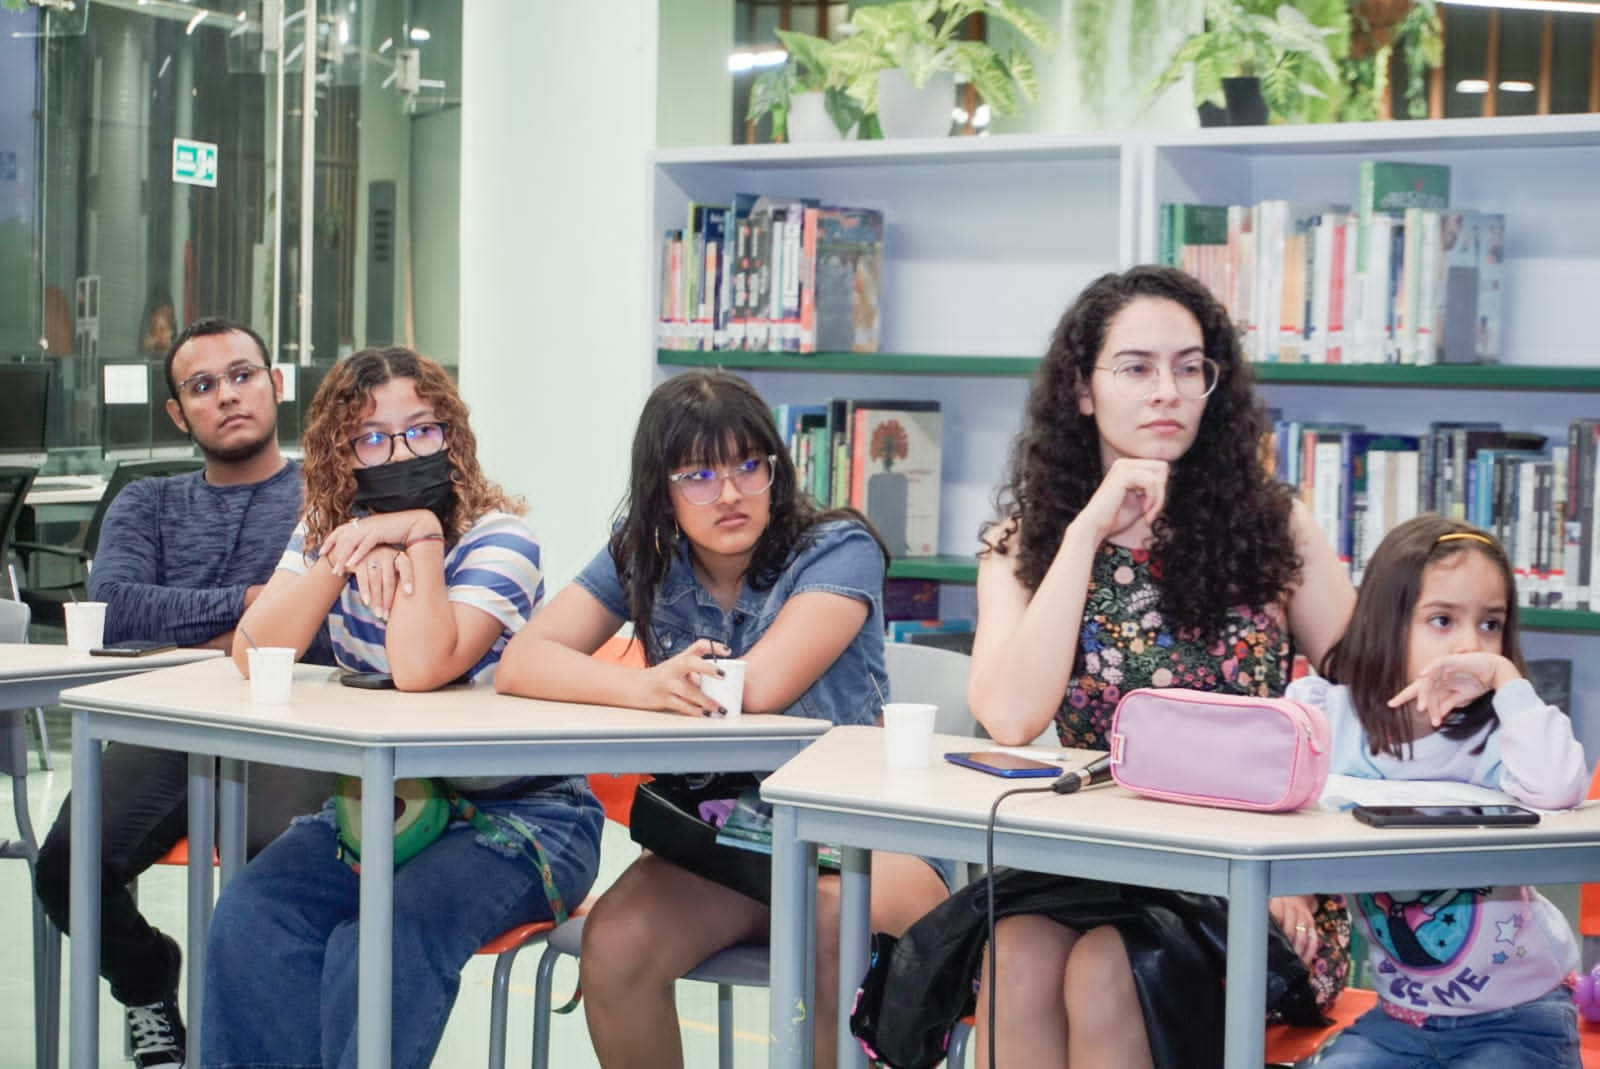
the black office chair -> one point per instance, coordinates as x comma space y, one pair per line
14, 486
47, 601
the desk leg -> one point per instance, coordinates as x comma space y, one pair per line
855, 926
793, 927
376, 994
202, 840
84, 902
231, 791
1245, 1039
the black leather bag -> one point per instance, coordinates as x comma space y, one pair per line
666, 821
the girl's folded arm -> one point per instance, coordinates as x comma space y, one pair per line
1541, 763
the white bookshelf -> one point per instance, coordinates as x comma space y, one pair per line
989, 239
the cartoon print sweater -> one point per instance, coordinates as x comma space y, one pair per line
1466, 950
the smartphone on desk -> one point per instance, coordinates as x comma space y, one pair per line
1009, 765
133, 648
1444, 816
368, 680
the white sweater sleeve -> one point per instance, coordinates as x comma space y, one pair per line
1539, 760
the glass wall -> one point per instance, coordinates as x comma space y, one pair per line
146, 147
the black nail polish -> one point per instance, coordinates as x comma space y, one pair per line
705, 712
721, 711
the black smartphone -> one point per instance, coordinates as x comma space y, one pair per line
1436, 816
133, 648
1009, 765
368, 680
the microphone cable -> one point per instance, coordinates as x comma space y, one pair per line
1070, 782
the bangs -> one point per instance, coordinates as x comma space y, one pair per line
713, 432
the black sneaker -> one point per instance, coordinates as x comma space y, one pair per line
157, 1035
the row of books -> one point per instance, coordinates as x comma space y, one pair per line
1540, 499
1402, 279
880, 456
772, 274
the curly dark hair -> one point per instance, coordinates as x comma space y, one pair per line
1224, 537
340, 404
714, 418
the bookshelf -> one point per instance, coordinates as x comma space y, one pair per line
989, 238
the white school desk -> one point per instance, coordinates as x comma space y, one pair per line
205, 709
32, 674
838, 791
49, 490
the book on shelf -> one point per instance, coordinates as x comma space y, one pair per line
915, 630
895, 472
845, 309
1390, 186
909, 599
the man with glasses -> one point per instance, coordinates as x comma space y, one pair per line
180, 559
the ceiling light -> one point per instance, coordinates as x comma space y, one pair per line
1579, 7
739, 62
194, 23
1516, 87
419, 35
1472, 85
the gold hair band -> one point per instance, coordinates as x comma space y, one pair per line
1456, 536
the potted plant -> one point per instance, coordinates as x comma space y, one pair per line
803, 89
1261, 60
910, 49
1379, 28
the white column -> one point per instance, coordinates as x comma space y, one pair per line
558, 115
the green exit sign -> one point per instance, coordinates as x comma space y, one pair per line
194, 163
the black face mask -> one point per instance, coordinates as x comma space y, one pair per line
423, 483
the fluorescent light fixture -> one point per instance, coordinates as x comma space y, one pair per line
194, 23
344, 31
1472, 85
1516, 87
388, 43
739, 62
1573, 7
419, 35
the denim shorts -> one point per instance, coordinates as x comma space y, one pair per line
1540, 1034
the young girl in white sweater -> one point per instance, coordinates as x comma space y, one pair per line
1427, 684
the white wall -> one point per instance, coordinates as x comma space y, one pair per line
558, 115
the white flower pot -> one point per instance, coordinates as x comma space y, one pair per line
809, 121
907, 112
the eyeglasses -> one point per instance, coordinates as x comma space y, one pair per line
704, 485
376, 447
204, 384
1137, 378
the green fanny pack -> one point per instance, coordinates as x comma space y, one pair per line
422, 811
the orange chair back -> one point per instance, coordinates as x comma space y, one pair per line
1589, 893
1287, 1044
615, 789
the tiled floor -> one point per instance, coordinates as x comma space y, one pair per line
466, 1038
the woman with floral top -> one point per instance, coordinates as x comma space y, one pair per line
1138, 516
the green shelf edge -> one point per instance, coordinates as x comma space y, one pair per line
950, 569
1452, 376
945, 569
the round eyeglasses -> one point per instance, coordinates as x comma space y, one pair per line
205, 384
376, 447
1137, 378
704, 485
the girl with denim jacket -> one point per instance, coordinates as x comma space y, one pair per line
720, 553
423, 570
1140, 543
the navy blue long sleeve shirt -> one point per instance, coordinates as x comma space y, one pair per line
177, 554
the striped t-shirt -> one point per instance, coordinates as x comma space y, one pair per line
494, 568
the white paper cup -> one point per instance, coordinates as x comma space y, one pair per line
86, 625
271, 670
727, 691
908, 734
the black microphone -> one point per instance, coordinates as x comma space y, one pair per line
1096, 771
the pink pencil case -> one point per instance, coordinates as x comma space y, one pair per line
1220, 749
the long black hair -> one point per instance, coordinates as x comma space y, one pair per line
714, 418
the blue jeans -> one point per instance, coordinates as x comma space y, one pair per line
282, 967
1541, 1034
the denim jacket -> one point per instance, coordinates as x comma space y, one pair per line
841, 559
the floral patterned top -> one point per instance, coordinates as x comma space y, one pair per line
1126, 643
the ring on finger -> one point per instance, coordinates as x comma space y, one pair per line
372, 564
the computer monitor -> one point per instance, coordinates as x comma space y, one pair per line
125, 409
24, 412
166, 440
